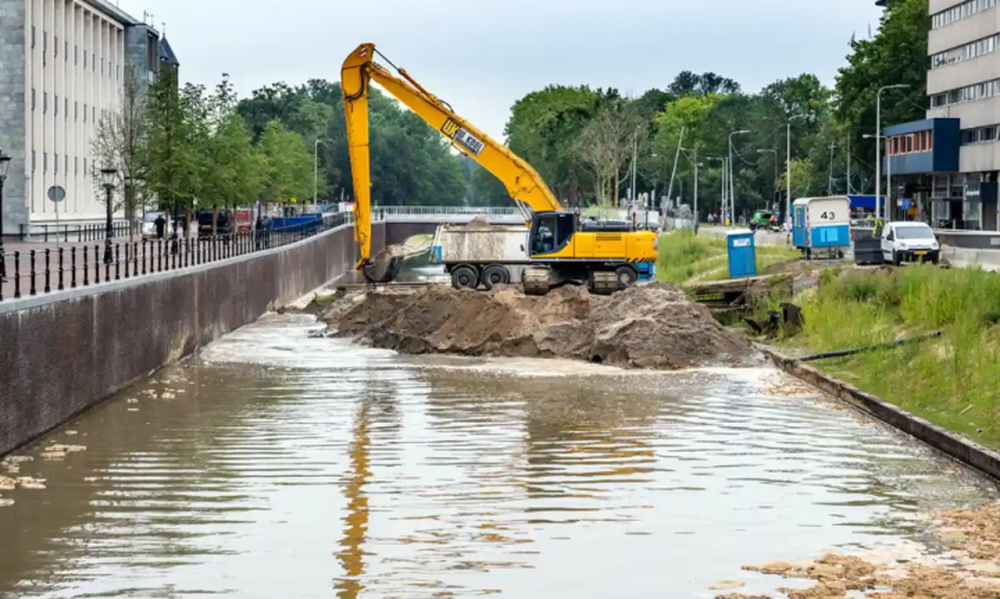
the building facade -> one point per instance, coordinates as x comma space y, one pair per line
953, 179
62, 68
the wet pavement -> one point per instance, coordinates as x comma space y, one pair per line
276, 465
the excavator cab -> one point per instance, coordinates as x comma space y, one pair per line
551, 232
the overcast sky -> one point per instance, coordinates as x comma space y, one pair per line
482, 55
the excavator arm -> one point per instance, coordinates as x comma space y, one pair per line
523, 183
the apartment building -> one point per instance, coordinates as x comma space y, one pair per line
963, 83
62, 67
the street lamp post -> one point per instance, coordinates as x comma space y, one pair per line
775, 152
880, 139
4, 164
732, 173
316, 171
108, 175
694, 159
788, 171
878, 147
722, 163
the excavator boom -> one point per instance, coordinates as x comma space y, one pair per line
523, 183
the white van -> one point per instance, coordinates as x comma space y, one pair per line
909, 241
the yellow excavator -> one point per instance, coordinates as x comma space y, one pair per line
561, 247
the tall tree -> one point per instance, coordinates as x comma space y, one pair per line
896, 55
120, 142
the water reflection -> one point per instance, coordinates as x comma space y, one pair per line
278, 465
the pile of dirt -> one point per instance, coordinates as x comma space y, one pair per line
649, 326
971, 572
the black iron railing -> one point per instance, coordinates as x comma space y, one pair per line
47, 269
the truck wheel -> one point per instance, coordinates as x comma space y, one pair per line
464, 277
626, 276
896, 258
495, 274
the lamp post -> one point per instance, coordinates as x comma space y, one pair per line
693, 157
722, 163
878, 147
788, 171
775, 152
879, 140
108, 175
4, 164
732, 173
316, 171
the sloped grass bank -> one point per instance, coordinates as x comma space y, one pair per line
952, 381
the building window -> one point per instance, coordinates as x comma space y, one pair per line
959, 12
971, 93
965, 52
980, 135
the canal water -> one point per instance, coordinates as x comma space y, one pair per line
273, 464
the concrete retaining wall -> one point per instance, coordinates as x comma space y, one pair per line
951, 444
64, 352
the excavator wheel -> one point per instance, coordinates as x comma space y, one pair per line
626, 276
536, 280
603, 282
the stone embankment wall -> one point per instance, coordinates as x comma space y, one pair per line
62, 353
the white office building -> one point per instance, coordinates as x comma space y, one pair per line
963, 83
62, 65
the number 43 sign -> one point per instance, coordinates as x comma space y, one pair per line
828, 215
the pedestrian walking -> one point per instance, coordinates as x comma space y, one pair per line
161, 225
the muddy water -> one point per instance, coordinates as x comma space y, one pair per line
273, 465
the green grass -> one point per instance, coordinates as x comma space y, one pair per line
953, 381
684, 258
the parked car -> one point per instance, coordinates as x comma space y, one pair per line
224, 223
909, 241
149, 224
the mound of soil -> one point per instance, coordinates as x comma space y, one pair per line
649, 326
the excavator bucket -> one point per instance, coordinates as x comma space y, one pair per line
383, 268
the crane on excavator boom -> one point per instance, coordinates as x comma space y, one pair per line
560, 247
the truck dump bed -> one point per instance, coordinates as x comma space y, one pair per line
479, 242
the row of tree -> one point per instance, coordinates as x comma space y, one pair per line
186, 145
180, 148
581, 140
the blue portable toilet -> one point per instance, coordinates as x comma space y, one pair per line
742, 254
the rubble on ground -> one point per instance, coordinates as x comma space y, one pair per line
653, 326
970, 572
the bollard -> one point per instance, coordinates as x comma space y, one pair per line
48, 271
31, 274
61, 286
86, 271
97, 265
17, 275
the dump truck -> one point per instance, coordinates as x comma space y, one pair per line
481, 254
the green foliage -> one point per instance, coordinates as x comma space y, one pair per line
410, 163
287, 164
897, 55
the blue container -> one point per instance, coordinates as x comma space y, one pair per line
742, 254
